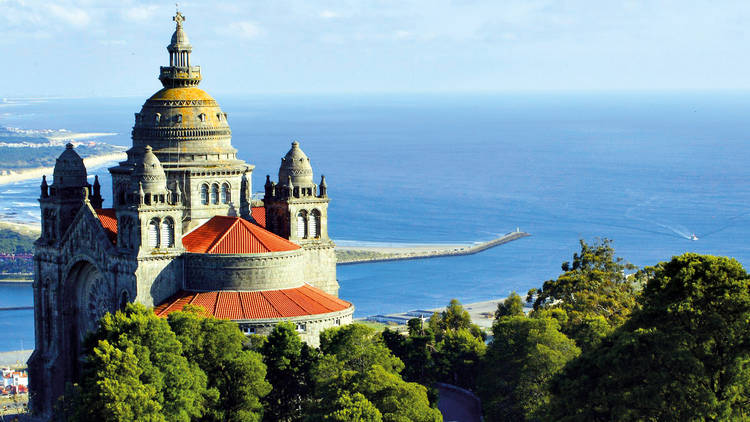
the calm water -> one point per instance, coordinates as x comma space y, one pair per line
646, 170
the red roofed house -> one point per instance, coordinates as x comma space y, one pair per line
182, 229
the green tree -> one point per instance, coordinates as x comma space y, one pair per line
417, 351
458, 357
524, 355
236, 377
454, 317
355, 360
396, 399
511, 306
593, 288
352, 408
358, 348
289, 363
684, 355
118, 394
152, 355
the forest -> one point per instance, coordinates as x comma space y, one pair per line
603, 341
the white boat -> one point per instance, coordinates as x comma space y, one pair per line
693, 237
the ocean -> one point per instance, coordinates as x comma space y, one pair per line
647, 170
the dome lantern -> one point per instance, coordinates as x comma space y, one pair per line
179, 72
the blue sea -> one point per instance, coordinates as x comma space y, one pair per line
646, 170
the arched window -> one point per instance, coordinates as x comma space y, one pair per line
315, 223
153, 234
301, 225
204, 194
167, 233
215, 193
225, 193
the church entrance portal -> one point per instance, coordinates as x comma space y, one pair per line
89, 295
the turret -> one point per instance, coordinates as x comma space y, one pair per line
323, 187
294, 208
45, 188
61, 201
96, 197
152, 181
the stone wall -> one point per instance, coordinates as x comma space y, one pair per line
158, 278
275, 270
320, 267
309, 327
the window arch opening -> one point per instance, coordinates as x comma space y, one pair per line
302, 225
204, 194
315, 224
167, 233
215, 193
153, 234
225, 193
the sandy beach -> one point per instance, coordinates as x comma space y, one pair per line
13, 176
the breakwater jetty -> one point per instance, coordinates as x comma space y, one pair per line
364, 254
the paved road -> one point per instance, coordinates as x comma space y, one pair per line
458, 406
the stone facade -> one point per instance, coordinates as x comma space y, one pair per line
180, 172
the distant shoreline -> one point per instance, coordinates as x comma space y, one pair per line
14, 176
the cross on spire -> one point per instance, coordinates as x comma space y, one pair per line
179, 18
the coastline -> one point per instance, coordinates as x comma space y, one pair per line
350, 255
14, 176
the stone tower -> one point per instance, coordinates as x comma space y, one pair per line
297, 209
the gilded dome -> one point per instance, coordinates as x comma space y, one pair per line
184, 124
296, 165
69, 170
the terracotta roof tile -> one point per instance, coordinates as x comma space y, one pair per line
109, 222
259, 215
227, 235
299, 301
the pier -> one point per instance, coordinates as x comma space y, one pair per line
359, 255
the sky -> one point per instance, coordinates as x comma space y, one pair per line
91, 48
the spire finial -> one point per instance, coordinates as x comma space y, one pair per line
178, 17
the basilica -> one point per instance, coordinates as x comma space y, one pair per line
183, 229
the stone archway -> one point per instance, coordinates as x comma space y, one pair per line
88, 296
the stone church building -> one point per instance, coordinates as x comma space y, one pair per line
183, 229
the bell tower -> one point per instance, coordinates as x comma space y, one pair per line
297, 209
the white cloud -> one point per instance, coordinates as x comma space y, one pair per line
72, 16
402, 35
328, 14
246, 30
140, 13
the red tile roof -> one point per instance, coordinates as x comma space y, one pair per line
109, 222
299, 301
259, 215
223, 234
